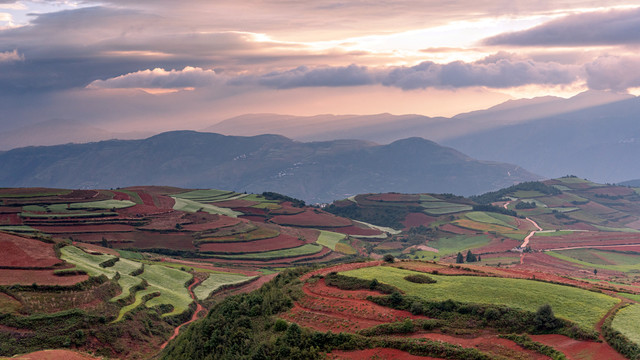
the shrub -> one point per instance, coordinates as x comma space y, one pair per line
420, 279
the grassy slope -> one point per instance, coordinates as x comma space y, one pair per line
329, 239
215, 281
626, 322
194, 206
581, 306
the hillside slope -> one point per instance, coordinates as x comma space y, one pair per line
315, 172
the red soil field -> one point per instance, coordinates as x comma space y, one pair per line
164, 202
10, 219
146, 198
312, 218
119, 195
213, 222
151, 240
634, 248
236, 203
612, 191
390, 197
576, 349
139, 209
487, 343
10, 210
339, 268
355, 230
281, 241
377, 354
310, 235
286, 208
251, 211
79, 228
329, 309
81, 194
40, 277
417, 219
55, 355
323, 254
18, 251
253, 218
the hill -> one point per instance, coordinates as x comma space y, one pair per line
598, 142
315, 172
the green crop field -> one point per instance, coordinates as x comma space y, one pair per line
171, 285
552, 233
452, 245
426, 197
527, 194
484, 217
215, 281
634, 297
103, 205
17, 228
194, 206
258, 233
591, 258
584, 307
306, 249
611, 229
207, 195
454, 208
132, 195
329, 239
626, 321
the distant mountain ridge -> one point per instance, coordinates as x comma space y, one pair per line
315, 171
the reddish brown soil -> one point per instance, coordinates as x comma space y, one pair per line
55, 355
146, 198
417, 219
79, 228
355, 230
140, 209
579, 350
251, 211
377, 354
153, 240
81, 195
487, 343
254, 218
40, 277
119, 195
220, 222
281, 241
312, 218
392, 197
10, 219
19, 251
634, 248
286, 208
339, 268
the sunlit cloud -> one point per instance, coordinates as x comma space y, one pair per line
10, 56
172, 80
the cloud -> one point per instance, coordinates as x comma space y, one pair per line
498, 71
351, 75
10, 56
613, 27
613, 73
160, 79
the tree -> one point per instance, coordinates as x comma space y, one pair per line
595, 272
388, 258
545, 320
459, 258
470, 256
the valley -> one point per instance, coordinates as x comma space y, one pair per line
100, 270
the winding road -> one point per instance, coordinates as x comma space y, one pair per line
196, 314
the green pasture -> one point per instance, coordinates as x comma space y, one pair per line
306, 249
194, 206
634, 297
17, 228
171, 285
491, 218
554, 233
626, 322
209, 195
452, 245
443, 208
215, 281
520, 194
612, 229
427, 197
329, 239
592, 258
584, 307
102, 205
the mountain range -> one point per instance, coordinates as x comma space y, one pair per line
313, 171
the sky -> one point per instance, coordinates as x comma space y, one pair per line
160, 65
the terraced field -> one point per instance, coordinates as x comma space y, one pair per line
626, 322
194, 206
593, 258
581, 306
216, 281
307, 249
330, 239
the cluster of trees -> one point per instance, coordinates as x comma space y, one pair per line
523, 205
280, 197
471, 257
499, 195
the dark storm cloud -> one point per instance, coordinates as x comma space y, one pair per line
599, 28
